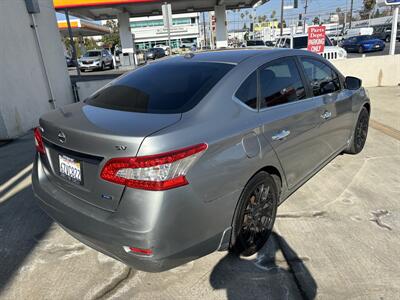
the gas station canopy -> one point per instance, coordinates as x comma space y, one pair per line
81, 27
109, 9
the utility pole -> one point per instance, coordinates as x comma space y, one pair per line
305, 16
351, 12
282, 4
204, 31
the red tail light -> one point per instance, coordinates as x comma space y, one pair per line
39, 140
146, 252
155, 172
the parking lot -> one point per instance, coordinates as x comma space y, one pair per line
337, 237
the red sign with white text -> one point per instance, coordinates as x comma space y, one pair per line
316, 39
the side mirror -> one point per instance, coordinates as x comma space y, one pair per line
352, 83
328, 87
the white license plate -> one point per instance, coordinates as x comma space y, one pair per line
70, 169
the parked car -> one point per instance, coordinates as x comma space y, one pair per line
155, 53
363, 43
193, 154
166, 49
300, 41
69, 61
96, 60
384, 32
254, 43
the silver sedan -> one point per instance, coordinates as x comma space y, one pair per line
194, 154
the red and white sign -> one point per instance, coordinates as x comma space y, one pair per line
316, 39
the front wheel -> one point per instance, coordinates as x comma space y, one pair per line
255, 216
360, 49
360, 133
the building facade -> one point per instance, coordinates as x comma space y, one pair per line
150, 31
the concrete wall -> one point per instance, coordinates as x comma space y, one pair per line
374, 70
23, 91
86, 88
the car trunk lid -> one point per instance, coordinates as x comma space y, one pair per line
87, 137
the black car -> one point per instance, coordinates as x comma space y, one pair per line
69, 61
384, 32
155, 53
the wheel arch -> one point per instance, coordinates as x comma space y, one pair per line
278, 178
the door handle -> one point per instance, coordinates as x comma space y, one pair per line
281, 135
326, 115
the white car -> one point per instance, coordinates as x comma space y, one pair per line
358, 31
300, 41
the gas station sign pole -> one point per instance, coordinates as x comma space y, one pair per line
394, 24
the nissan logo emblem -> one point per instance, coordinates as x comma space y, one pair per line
61, 137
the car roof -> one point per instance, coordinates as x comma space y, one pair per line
233, 56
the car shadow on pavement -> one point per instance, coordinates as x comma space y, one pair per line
22, 222
275, 272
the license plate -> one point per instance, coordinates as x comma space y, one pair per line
70, 169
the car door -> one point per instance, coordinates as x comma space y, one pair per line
289, 118
334, 104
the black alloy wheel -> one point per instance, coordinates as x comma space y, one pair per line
360, 133
255, 215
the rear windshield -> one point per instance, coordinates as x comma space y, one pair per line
92, 54
164, 87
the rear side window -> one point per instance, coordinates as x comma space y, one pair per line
247, 93
280, 83
163, 88
322, 78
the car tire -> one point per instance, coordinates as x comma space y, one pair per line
103, 66
360, 133
360, 50
255, 215
112, 65
387, 39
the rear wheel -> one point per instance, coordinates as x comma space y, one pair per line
387, 39
360, 133
255, 215
112, 65
102, 66
360, 49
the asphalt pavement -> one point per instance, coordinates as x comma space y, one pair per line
337, 237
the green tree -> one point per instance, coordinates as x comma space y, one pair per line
316, 21
112, 39
368, 6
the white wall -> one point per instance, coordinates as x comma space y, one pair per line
374, 70
23, 91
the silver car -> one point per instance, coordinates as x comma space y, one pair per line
193, 154
96, 60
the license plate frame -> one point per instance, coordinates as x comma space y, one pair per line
70, 169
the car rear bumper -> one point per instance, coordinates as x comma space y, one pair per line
172, 240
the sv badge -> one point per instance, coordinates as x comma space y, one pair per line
121, 148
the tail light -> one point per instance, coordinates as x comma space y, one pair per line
39, 140
155, 172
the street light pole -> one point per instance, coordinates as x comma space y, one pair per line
282, 3
305, 16
394, 30
351, 13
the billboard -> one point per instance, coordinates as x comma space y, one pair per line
316, 39
60, 4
